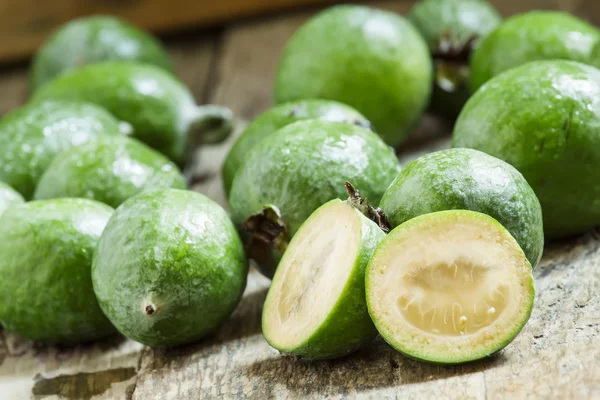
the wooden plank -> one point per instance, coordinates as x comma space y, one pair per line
24, 24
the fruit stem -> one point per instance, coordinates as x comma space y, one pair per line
375, 214
267, 231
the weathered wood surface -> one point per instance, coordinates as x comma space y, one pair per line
557, 356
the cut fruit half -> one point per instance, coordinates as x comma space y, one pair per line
449, 287
316, 306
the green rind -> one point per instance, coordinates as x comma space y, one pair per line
465, 179
462, 19
93, 39
31, 136
423, 219
304, 165
543, 118
46, 250
373, 60
158, 106
178, 251
8, 197
348, 326
532, 36
276, 118
110, 170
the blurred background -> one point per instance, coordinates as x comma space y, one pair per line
224, 50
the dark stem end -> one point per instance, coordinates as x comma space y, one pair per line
375, 214
267, 231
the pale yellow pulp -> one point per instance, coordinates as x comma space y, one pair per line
312, 275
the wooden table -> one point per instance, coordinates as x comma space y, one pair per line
557, 356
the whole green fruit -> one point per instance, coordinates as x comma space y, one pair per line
466, 179
170, 267
46, 250
31, 136
8, 197
279, 116
110, 170
372, 60
160, 108
543, 118
452, 29
294, 171
536, 35
92, 39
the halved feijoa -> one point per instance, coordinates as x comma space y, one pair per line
449, 287
316, 305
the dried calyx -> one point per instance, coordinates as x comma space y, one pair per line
375, 214
452, 60
267, 230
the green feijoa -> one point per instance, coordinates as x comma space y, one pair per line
278, 117
532, 36
46, 250
160, 108
31, 136
449, 287
466, 179
92, 39
542, 118
452, 29
110, 170
294, 171
370, 59
8, 197
316, 305
170, 267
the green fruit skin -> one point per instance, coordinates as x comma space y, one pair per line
8, 197
465, 179
387, 335
348, 326
372, 60
178, 251
462, 20
536, 35
158, 106
110, 170
304, 165
542, 118
93, 39
279, 116
46, 250
31, 136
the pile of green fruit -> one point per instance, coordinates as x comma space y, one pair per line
437, 257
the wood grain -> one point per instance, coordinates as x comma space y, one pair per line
557, 356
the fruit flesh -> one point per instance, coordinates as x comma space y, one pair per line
31, 136
93, 39
276, 118
110, 170
542, 118
449, 287
46, 250
470, 180
316, 305
374, 61
532, 36
312, 277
